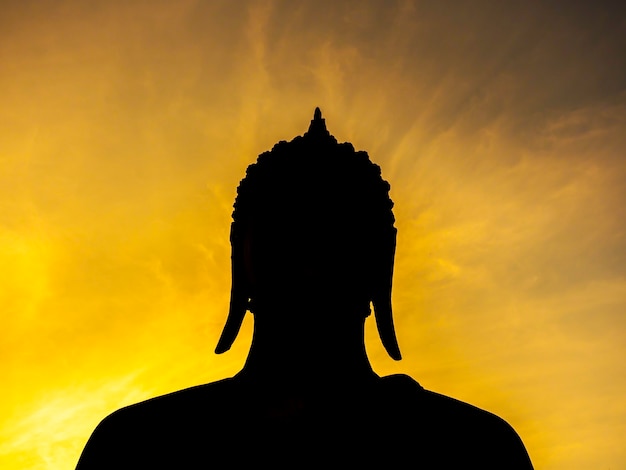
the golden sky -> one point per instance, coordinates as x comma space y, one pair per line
125, 127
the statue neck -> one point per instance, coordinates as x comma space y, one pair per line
307, 353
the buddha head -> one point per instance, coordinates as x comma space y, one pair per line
312, 234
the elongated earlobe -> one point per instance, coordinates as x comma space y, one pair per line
381, 299
238, 297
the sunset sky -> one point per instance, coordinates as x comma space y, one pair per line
125, 127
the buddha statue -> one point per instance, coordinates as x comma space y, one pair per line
313, 245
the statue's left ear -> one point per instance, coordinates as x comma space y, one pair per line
239, 294
381, 297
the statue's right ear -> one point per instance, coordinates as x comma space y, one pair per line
239, 294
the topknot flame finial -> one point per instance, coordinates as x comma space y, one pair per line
318, 124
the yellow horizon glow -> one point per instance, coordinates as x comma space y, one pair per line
127, 126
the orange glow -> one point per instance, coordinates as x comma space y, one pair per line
126, 127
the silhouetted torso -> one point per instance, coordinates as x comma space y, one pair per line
389, 421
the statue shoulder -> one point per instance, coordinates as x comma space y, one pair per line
458, 431
159, 427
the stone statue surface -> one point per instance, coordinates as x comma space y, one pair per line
313, 245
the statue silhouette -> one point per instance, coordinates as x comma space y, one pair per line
313, 246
